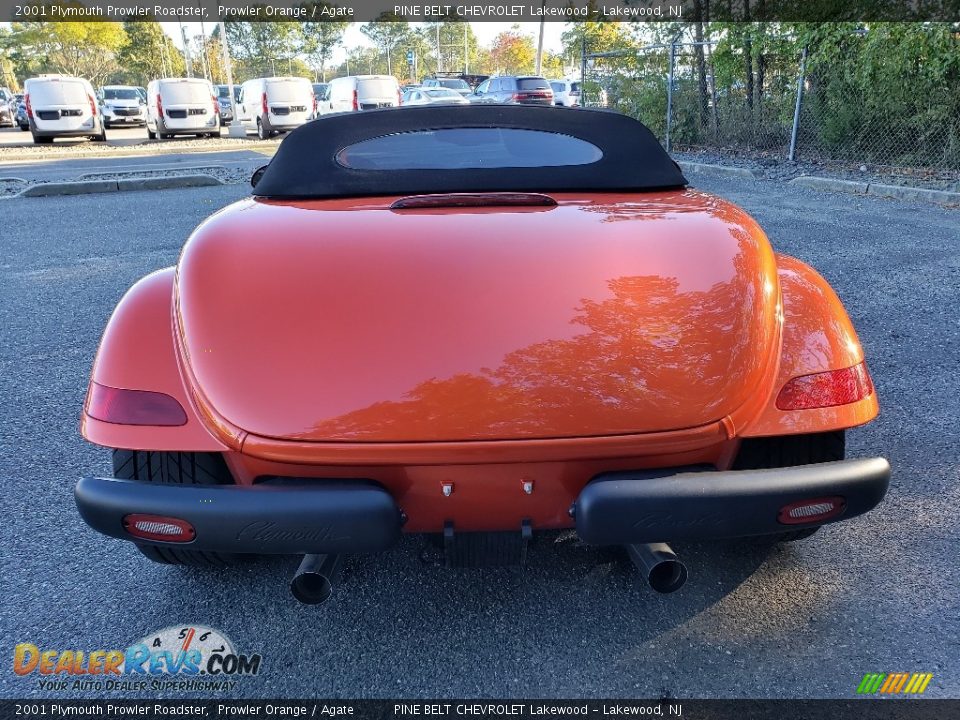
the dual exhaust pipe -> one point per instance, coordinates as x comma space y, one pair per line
316, 578
318, 575
661, 568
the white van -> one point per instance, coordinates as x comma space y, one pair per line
363, 92
182, 106
276, 104
62, 106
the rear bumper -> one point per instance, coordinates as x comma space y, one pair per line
330, 517
655, 506
359, 516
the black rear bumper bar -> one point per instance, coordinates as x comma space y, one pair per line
328, 517
663, 505
359, 516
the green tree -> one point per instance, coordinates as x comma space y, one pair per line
320, 39
262, 48
458, 46
149, 54
83, 49
387, 32
600, 37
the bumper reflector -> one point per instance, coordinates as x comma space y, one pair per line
813, 510
826, 389
133, 407
159, 527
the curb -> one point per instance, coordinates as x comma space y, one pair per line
85, 187
906, 192
197, 170
897, 192
717, 170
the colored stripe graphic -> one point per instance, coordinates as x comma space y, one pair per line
894, 683
901, 681
867, 685
889, 682
913, 684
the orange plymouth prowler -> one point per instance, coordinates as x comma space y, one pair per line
475, 323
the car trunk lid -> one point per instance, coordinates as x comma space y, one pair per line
346, 320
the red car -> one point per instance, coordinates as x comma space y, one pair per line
475, 323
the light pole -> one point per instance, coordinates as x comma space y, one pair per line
186, 48
543, 4
236, 127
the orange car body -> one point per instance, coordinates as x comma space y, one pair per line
608, 332
476, 323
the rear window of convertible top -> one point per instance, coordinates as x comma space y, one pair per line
468, 149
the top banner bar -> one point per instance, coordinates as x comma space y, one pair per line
482, 10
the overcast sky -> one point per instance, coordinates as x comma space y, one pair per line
484, 31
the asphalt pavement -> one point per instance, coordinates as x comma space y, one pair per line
876, 594
76, 168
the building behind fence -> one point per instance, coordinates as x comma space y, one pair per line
837, 120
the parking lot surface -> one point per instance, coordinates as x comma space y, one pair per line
116, 136
875, 594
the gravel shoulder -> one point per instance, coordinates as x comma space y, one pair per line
780, 170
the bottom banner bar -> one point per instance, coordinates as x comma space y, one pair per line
860, 709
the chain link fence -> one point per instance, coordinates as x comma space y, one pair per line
693, 103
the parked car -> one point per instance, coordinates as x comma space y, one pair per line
62, 106
363, 92
477, 323
566, 93
276, 104
182, 106
223, 99
21, 116
451, 83
7, 108
434, 96
321, 94
122, 105
513, 90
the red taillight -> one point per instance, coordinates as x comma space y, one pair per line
399, 99
159, 527
314, 104
216, 105
159, 106
811, 511
133, 407
826, 389
516, 96
93, 106
26, 99
266, 108
356, 101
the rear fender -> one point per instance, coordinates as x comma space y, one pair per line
137, 352
817, 336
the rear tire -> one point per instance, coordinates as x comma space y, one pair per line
151, 135
41, 140
786, 451
177, 468
263, 130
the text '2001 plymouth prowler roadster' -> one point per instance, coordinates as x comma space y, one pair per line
475, 323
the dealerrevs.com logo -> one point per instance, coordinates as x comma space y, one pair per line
187, 658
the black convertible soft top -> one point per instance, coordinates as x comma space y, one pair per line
414, 150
